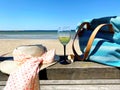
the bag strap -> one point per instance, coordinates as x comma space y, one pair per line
80, 29
90, 41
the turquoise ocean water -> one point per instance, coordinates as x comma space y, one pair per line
31, 34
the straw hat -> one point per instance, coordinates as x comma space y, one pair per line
25, 51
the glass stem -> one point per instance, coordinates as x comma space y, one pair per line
64, 52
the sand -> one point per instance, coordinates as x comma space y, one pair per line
8, 45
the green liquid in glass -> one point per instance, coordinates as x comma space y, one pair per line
64, 40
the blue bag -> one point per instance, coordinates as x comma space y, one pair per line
99, 41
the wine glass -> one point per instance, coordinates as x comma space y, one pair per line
64, 35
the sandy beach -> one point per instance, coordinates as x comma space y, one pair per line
8, 45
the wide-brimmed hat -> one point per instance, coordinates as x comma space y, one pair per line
21, 53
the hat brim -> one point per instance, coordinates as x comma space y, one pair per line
43, 66
9, 66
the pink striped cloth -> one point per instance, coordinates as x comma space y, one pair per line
26, 76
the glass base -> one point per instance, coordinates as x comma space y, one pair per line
64, 62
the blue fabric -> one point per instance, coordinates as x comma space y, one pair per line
106, 46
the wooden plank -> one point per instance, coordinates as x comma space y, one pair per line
98, 84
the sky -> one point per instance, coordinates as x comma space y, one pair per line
51, 14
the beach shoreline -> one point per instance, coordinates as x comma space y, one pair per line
8, 45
